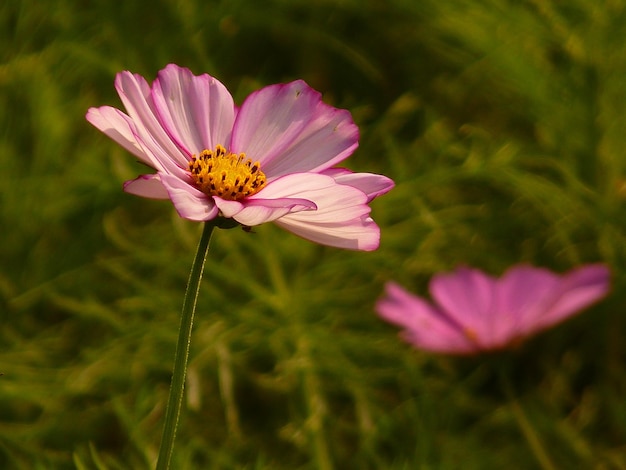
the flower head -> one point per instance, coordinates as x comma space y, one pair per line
473, 312
272, 159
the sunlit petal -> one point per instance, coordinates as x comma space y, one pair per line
197, 111
290, 130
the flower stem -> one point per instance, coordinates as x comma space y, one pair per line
182, 350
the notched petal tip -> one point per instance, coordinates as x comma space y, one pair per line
372, 184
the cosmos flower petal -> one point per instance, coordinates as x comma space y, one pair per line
260, 211
122, 130
577, 290
149, 186
288, 129
356, 234
523, 310
198, 112
278, 198
495, 313
371, 184
335, 202
228, 208
423, 325
118, 126
467, 297
189, 202
136, 95
341, 218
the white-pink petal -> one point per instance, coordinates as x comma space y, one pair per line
227, 208
189, 202
280, 197
356, 234
260, 211
149, 186
253, 212
198, 112
341, 218
136, 95
288, 129
118, 126
335, 202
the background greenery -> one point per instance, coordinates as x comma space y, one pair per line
502, 123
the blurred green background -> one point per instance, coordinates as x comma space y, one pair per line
502, 123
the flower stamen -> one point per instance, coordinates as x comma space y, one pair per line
225, 174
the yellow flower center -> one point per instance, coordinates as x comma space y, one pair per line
227, 175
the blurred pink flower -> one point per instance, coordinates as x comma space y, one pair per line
269, 160
473, 312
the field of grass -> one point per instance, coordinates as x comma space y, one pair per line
503, 124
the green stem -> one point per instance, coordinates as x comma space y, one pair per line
182, 350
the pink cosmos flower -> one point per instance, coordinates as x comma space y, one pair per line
473, 312
272, 159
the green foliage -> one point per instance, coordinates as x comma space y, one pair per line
502, 123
